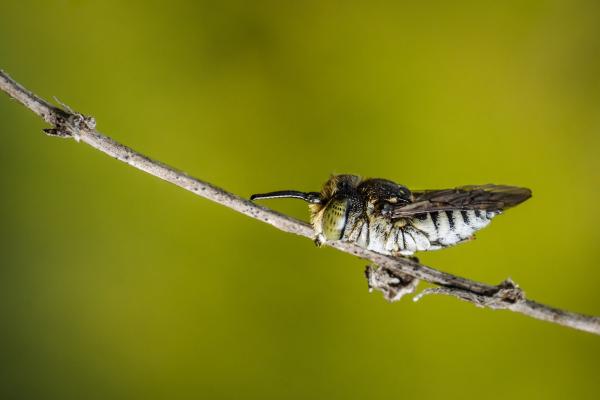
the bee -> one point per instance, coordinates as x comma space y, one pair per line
388, 218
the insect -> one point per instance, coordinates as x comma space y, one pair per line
388, 218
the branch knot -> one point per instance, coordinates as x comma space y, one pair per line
70, 124
509, 292
393, 285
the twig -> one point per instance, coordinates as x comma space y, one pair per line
394, 276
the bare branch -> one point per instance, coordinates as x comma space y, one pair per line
394, 276
508, 293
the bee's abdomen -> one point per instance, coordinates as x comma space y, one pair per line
427, 231
445, 228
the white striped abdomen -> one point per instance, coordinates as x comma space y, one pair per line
428, 231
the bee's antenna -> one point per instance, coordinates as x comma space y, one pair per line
311, 197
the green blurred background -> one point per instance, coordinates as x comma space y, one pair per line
114, 284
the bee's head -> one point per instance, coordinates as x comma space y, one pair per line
329, 218
329, 208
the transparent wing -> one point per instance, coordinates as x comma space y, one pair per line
481, 197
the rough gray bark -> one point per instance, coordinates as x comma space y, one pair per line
395, 277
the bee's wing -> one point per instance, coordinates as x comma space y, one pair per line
482, 197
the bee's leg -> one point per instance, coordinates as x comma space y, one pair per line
413, 258
319, 239
410, 256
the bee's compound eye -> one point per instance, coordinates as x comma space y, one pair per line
334, 219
